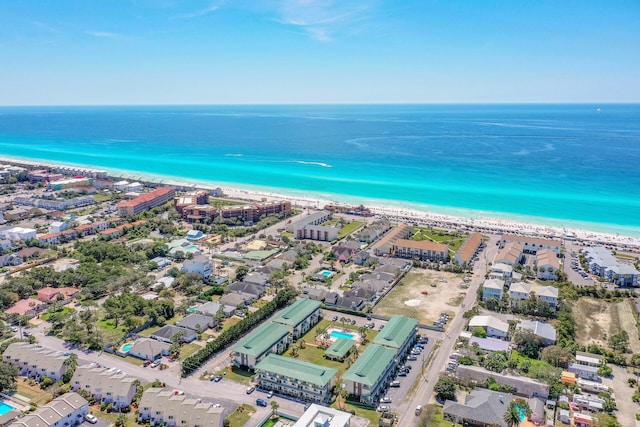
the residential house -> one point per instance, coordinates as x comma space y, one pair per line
237, 299
200, 265
211, 309
49, 294
269, 338
300, 316
518, 292
68, 409
481, 407
388, 278
105, 385
26, 307
589, 359
511, 254
197, 322
523, 386
17, 233
545, 331
489, 345
351, 303
295, 378
331, 298
323, 416
501, 271
367, 294
148, 349
316, 294
35, 362
259, 279
493, 326
247, 288
492, 288
168, 333
548, 294
547, 263
10, 260
368, 377
32, 252
162, 407
531, 245
361, 258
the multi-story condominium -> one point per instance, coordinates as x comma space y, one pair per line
469, 249
322, 416
193, 198
144, 202
604, 264
519, 291
492, 288
295, 378
494, 327
161, 407
424, 250
106, 385
531, 245
300, 316
385, 245
17, 233
510, 254
369, 375
55, 204
200, 265
374, 230
42, 175
269, 338
66, 410
399, 334
547, 263
200, 212
35, 362
310, 227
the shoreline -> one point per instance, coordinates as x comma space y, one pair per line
394, 210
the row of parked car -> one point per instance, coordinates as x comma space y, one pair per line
442, 320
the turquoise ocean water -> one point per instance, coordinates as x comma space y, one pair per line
568, 165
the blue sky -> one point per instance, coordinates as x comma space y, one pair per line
318, 51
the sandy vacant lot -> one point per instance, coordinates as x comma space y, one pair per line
407, 298
597, 320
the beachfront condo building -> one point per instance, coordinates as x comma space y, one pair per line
603, 263
469, 249
531, 245
269, 338
310, 227
295, 378
248, 214
368, 377
144, 202
424, 250
385, 245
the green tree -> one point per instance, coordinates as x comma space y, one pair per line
619, 342
528, 343
241, 272
274, 408
8, 376
556, 356
496, 361
512, 416
445, 389
121, 421
605, 371
479, 332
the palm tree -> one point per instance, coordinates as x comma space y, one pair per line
274, 408
512, 416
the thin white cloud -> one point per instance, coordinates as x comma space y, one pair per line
104, 34
321, 19
199, 13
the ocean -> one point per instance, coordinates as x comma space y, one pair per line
566, 165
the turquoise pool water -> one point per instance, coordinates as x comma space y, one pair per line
4, 408
192, 247
192, 309
522, 412
127, 347
338, 334
327, 273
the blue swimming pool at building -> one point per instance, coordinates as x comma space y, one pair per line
127, 347
327, 273
4, 408
338, 334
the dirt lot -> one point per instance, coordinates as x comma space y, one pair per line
407, 298
597, 320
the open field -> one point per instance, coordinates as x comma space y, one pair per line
350, 228
407, 299
240, 416
601, 319
452, 238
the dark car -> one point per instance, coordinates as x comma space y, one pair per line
402, 374
261, 402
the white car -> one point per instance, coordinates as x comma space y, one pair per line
91, 418
385, 399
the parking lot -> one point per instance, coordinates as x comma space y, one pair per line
574, 271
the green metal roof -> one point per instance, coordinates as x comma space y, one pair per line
262, 339
297, 312
370, 365
297, 369
339, 348
395, 334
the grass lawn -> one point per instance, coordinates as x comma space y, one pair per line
349, 228
109, 332
361, 410
315, 355
452, 238
538, 369
230, 322
129, 359
147, 332
64, 311
241, 415
112, 417
224, 202
437, 419
188, 349
37, 396
237, 375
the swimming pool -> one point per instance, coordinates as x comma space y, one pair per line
127, 347
192, 309
327, 273
4, 408
521, 411
192, 247
338, 334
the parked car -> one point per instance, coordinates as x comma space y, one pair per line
251, 390
418, 410
385, 399
261, 402
91, 418
394, 384
383, 408
353, 322
334, 318
270, 394
412, 358
154, 364
147, 363
402, 374
216, 378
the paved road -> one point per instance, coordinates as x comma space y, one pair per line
441, 355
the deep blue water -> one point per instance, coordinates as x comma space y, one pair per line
569, 163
